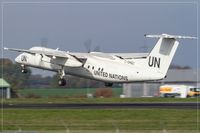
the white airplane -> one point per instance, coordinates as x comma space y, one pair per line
107, 67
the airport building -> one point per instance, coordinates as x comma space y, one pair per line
174, 76
5, 91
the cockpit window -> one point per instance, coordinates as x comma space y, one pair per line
24, 58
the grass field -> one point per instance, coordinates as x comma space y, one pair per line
101, 119
57, 92
97, 100
125, 120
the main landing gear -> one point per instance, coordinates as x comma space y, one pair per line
24, 70
61, 81
108, 84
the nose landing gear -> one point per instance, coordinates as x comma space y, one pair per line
24, 70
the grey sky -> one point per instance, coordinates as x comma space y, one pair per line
113, 27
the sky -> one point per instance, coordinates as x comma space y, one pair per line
115, 26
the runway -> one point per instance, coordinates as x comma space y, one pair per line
191, 105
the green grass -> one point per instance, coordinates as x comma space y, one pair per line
96, 100
100, 119
70, 92
137, 120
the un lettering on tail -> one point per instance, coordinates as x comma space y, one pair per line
154, 61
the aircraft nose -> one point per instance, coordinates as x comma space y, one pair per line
17, 59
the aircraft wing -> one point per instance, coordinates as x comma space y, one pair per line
52, 53
77, 59
120, 55
130, 55
59, 57
111, 55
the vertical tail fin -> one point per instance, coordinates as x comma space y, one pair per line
162, 54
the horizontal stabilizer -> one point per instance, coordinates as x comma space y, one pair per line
169, 36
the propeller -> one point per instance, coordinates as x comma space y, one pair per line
88, 46
144, 48
44, 42
97, 49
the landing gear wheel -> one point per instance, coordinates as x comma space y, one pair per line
61, 82
24, 70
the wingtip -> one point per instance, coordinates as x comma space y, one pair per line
5, 48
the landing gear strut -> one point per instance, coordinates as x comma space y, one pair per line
24, 70
62, 81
